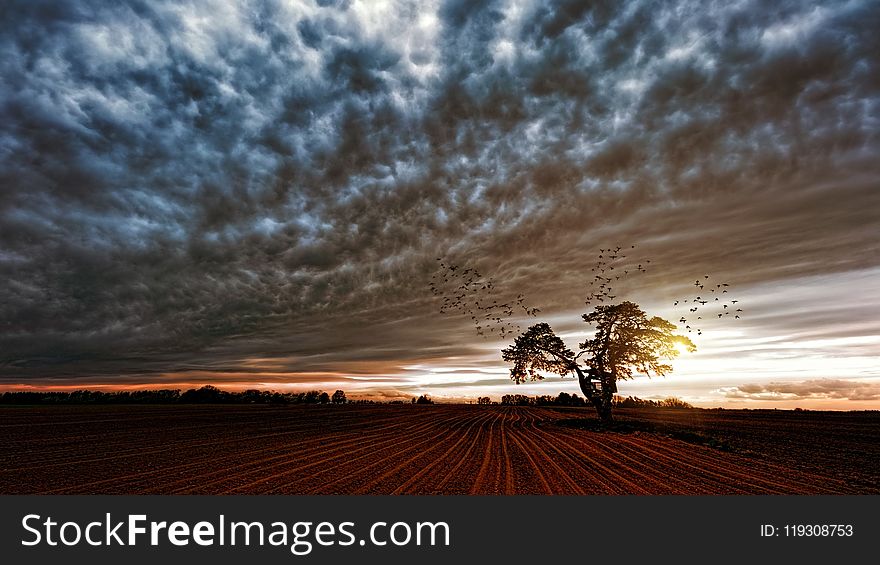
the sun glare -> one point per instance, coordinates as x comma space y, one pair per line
682, 348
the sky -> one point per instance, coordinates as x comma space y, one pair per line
254, 194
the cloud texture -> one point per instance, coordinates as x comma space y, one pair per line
813, 389
263, 186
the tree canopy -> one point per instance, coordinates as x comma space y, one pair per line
538, 349
626, 340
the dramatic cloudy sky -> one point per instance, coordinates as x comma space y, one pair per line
254, 193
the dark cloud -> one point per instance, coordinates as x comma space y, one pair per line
186, 186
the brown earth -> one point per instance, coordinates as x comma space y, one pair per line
441, 449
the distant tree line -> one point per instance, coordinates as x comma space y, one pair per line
636, 402
212, 395
565, 399
204, 395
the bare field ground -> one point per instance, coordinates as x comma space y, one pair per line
441, 449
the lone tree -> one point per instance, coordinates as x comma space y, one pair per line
626, 340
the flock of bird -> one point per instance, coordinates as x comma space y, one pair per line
710, 301
466, 291
607, 272
610, 268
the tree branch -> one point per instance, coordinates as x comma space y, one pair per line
571, 362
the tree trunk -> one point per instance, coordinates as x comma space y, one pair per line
601, 400
602, 404
609, 387
604, 409
584, 383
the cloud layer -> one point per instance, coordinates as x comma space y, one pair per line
834, 389
189, 186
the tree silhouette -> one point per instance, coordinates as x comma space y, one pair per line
626, 340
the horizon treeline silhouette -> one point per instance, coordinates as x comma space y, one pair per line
565, 399
210, 394
207, 394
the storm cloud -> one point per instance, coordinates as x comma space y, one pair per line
190, 186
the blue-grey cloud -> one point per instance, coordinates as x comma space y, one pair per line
190, 184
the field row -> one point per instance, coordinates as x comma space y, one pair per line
365, 450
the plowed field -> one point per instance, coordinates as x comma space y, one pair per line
442, 449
